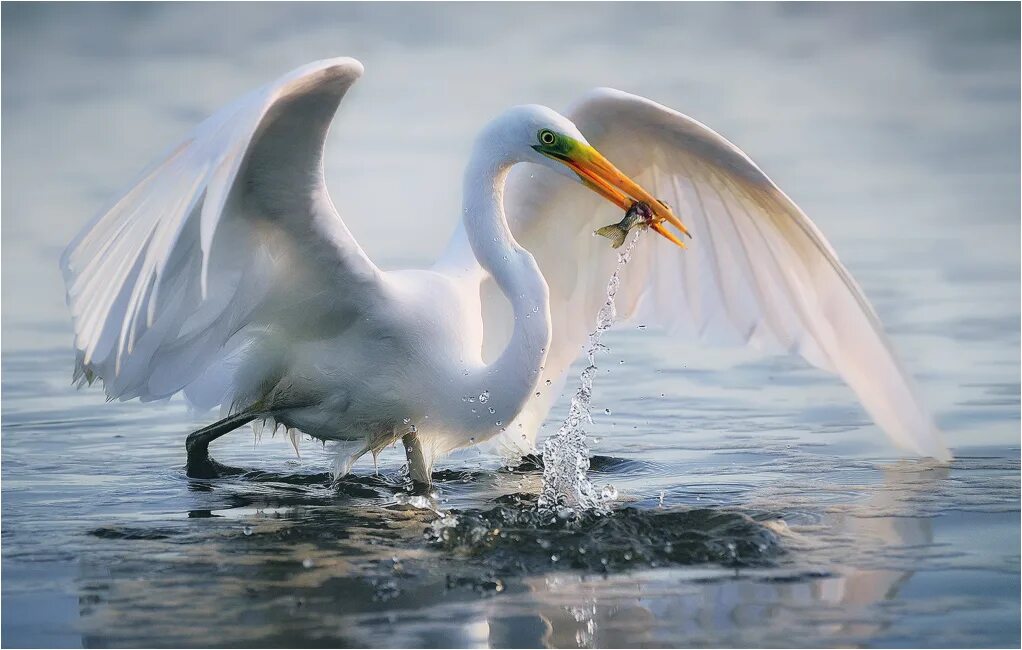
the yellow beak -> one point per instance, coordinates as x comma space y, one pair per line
609, 182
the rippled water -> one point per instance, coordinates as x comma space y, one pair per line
757, 505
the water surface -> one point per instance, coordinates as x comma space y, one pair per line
757, 503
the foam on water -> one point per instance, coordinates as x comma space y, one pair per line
566, 485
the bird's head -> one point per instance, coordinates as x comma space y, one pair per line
540, 135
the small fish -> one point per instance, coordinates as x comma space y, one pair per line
638, 215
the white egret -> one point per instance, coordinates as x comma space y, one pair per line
226, 274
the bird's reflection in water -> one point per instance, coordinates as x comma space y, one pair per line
295, 560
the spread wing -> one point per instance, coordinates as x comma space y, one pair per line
757, 272
216, 243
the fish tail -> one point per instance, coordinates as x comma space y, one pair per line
615, 233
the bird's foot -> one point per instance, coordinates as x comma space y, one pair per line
200, 465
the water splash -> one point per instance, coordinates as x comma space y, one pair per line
566, 485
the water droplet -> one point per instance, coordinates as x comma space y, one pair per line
609, 493
492, 410
607, 411
484, 397
498, 423
554, 558
308, 563
548, 382
537, 393
660, 499
412, 428
621, 362
247, 530
419, 502
642, 327
472, 440
407, 420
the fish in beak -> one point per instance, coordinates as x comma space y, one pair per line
639, 215
598, 174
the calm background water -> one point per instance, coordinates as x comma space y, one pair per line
758, 506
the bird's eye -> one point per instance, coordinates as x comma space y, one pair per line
547, 137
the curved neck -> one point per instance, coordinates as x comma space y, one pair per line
515, 373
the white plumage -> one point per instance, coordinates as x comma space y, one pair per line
226, 273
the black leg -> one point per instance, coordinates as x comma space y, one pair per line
418, 467
200, 465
